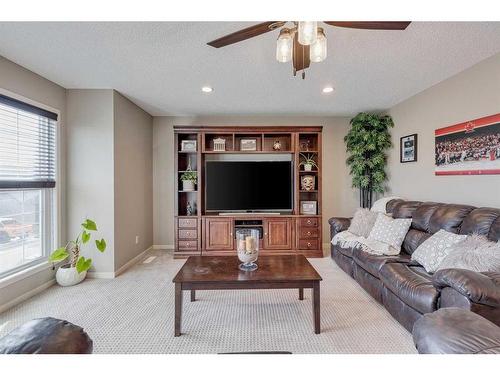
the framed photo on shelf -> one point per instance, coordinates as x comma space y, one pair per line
308, 207
408, 148
248, 144
188, 145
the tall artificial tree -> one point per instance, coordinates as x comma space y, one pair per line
367, 143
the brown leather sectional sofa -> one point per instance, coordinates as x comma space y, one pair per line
404, 287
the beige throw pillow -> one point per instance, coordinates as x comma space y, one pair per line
433, 250
362, 222
475, 253
390, 231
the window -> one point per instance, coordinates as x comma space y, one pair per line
27, 182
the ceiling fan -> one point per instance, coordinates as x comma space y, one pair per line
304, 41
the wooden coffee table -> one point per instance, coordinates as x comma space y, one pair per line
222, 272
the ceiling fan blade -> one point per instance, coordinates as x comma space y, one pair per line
246, 33
372, 25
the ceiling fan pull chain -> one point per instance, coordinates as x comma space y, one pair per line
303, 74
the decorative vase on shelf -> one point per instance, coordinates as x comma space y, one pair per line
307, 182
248, 248
277, 146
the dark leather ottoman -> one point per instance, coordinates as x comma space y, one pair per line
456, 331
46, 336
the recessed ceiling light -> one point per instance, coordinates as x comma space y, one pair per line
207, 89
327, 90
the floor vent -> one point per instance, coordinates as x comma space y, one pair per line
149, 260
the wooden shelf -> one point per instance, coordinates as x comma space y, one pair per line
302, 171
247, 152
308, 191
187, 191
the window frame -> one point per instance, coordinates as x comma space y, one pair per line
52, 200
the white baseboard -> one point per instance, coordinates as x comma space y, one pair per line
27, 295
132, 261
163, 247
119, 271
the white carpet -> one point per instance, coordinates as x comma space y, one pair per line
134, 314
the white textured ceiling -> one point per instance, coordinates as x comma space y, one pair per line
162, 66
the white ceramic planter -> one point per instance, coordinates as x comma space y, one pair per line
308, 167
187, 185
68, 276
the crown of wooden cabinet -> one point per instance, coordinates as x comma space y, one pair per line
199, 232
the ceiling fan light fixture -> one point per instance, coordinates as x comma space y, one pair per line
308, 32
317, 51
207, 89
327, 89
284, 46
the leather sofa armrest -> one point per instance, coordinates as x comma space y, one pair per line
338, 224
479, 287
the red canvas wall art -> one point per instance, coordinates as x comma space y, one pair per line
469, 148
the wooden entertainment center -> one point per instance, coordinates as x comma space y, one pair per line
212, 233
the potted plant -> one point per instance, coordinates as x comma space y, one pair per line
75, 271
189, 179
308, 162
366, 143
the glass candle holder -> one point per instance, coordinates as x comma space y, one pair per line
247, 241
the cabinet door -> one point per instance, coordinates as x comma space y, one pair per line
218, 234
278, 234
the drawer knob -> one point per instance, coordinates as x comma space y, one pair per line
308, 221
308, 233
308, 244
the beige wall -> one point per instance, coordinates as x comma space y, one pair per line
90, 169
338, 197
133, 181
20, 81
470, 94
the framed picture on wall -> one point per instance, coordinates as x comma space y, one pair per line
408, 148
469, 148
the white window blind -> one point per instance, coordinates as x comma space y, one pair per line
27, 146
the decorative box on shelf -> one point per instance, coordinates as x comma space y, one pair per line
308, 207
219, 144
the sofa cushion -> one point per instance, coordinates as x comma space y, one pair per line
494, 234
479, 221
422, 215
449, 217
391, 204
433, 250
475, 253
413, 240
390, 231
411, 284
371, 263
405, 209
348, 251
362, 222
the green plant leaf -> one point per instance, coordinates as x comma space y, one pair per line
83, 264
58, 255
89, 224
101, 245
85, 236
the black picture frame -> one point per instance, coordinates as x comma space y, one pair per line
408, 153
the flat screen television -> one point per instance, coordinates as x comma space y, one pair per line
248, 186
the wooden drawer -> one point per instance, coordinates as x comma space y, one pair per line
188, 234
308, 222
308, 232
188, 245
308, 244
188, 223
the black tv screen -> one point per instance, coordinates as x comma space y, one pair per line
248, 185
